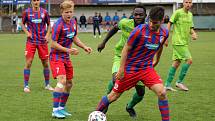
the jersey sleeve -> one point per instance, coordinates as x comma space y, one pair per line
134, 36
76, 28
56, 31
24, 17
121, 23
166, 35
47, 18
174, 17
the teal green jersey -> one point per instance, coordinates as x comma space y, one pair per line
182, 24
126, 26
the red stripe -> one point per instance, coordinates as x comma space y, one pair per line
39, 25
56, 99
164, 106
165, 118
165, 112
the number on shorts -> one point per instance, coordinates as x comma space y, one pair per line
58, 69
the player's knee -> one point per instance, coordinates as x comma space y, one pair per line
113, 96
69, 84
190, 61
60, 85
140, 90
62, 79
176, 64
162, 94
45, 63
28, 63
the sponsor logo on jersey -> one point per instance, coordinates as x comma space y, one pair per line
147, 36
151, 46
42, 15
71, 35
36, 21
66, 29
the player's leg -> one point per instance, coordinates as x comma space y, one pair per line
43, 55
187, 56
128, 81
106, 100
59, 73
137, 97
68, 87
115, 68
57, 94
171, 75
162, 101
152, 80
29, 56
176, 63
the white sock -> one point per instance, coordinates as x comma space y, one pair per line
60, 108
55, 109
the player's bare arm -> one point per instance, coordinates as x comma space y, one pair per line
193, 34
112, 32
26, 31
80, 44
57, 46
157, 56
169, 29
47, 37
123, 60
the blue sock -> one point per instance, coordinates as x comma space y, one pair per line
26, 76
103, 104
164, 109
56, 99
46, 75
63, 99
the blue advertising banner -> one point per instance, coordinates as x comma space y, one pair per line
113, 1
15, 2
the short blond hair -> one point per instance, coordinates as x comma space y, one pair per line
66, 4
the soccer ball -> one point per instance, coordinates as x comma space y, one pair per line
97, 116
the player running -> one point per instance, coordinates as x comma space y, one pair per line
137, 62
126, 26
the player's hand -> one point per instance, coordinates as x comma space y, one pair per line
88, 50
194, 36
119, 74
155, 63
29, 35
101, 47
166, 43
73, 51
47, 38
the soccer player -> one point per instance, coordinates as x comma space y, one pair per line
36, 19
64, 33
126, 26
145, 42
182, 19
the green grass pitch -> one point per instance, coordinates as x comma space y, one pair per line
92, 73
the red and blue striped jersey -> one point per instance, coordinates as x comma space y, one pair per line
63, 33
144, 44
36, 24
